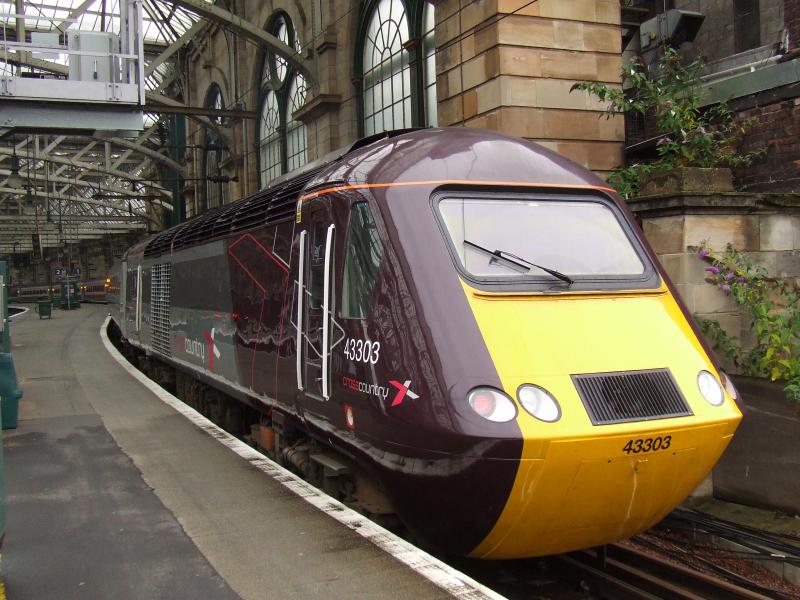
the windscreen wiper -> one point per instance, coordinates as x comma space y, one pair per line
520, 262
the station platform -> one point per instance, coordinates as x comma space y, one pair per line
115, 491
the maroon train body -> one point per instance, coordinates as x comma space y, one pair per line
333, 307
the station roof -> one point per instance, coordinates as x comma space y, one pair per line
76, 186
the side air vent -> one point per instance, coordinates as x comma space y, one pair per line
267, 207
159, 307
631, 396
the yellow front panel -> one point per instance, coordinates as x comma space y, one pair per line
576, 487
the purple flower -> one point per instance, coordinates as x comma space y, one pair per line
712, 269
664, 140
728, 275
740, 279
726, 289
703, 253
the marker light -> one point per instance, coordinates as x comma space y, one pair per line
492, 405
349, 417
710, 388
539, 403
727, 383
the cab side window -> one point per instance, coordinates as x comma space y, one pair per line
317, 265
362, 262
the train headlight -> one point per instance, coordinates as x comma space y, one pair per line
539, 403
710, 388
728, 385
492, 404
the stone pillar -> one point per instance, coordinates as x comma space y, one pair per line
765, 226
508, 65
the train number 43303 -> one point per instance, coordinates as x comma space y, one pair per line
647, 445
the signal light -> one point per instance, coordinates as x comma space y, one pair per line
539, 403
710, 388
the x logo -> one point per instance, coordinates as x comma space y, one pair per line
402, 391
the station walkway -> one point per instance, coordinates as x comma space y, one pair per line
113, 494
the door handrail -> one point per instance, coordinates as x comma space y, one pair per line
300, 294
326, 292
138, 316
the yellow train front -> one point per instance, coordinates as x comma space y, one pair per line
538, 366
622, 415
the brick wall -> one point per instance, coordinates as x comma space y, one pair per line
776, 127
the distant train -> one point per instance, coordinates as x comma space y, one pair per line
100, 291
31, 293
451, 326
92, 291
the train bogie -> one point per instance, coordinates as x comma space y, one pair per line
466, 321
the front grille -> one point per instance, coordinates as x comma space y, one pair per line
631, 396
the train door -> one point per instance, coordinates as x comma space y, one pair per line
316, 335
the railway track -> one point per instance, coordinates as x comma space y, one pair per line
623, 572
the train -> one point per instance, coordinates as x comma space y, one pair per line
454, 329
100, 291
91, 291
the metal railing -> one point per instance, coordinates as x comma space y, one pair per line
112, 71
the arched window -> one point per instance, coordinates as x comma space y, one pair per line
270, 137
215, 153
429, 68
281, 139
396, 59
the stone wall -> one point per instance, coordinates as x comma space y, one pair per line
326, 31
515, 73
501, 65
765, 226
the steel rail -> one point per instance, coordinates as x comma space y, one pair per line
622, 572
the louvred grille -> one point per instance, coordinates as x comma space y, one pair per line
631, 396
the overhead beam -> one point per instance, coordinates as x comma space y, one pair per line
72, 183
44, 195
166, 101
148, 152
73, 229
202, 110
11, 219
174, 47
95, 169
74, 14
250, 32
